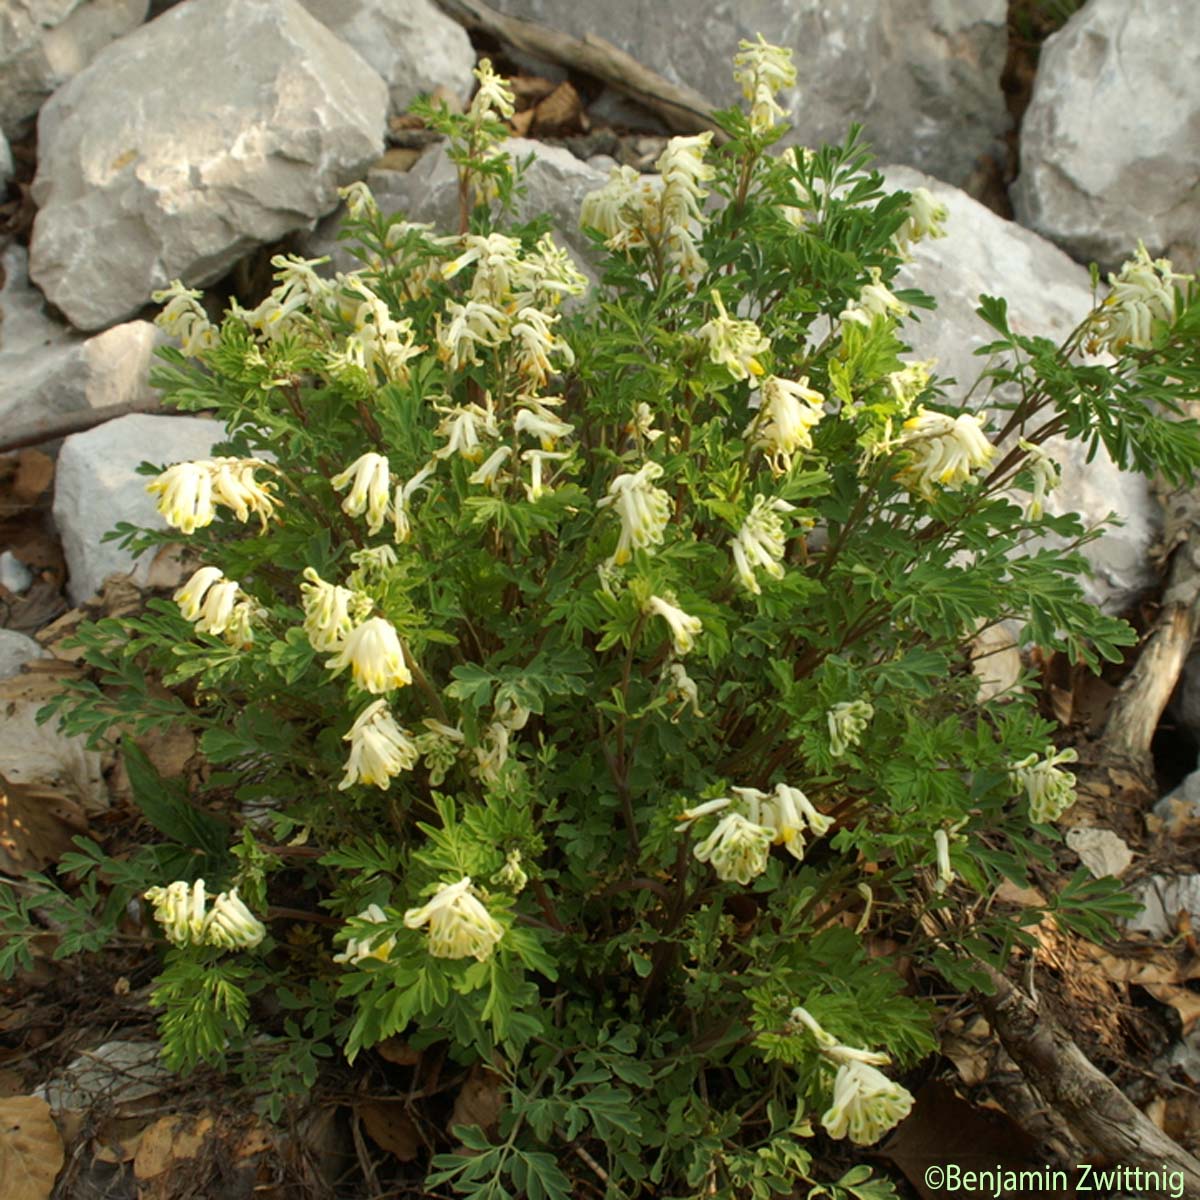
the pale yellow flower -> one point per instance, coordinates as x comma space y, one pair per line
379, 749
873, 301
190, 597
330, 612
762, 70
1047, 475
494, 97
1051, 790
733, 344
368, 945
926, 219
866, 1104
737, 848
472, 325
401, 523
760, 543
185, 496
643, 508
613, 209
537, 459
370, 483
231, 925
234, 485
373, 653
184, 317
682, 691
534, 341
499, 268
945, 450
488, 472
1142, 301
684, 174
790, 410
684, 629
459, 925
465, 427
847, 723
360, 203
180, 909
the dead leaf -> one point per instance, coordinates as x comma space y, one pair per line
1100, 850
119, 1139
36, 608
521, 123
529, 89
480, 1101
1150, 967
969, 1046
560, 111
36, 825
944, 1128
390, 1127
166, 568
1183, 1000
168, 1142
31, 1151
42, 755
35, 473
394, 1050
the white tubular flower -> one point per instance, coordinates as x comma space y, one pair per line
374, 558
874, 301
439, 748
1142, 297
179, 909
512, 875
945, 450
793, 803
945, 872
684, 629
231, 925
184, 317
499, 270
763, 70
471, 325
1047, 475
760, 543
494, 97
733, 344
373, 653
796, 214
464, 428
847, 723
492, 754
534, 341
738, 849
866, 1104
552, 274
379, 749
190, 597
488, 472
299, 287
401, 524
643, 508
360, 204
216, 612
185, 496
370, 482
790, 410
682, 690
358, 949
239, 631
329, 611
611, 210
537, 459
926, 218
459, 925
1051, 791
234, 485
684, 174
642, 425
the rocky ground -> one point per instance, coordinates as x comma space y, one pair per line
140, 142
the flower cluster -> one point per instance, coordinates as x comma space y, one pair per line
847, 723
643, 508
763, 70
1047, 475
925, 218
734, 344
760, 543
1141, 303
379, 748
1050, 790
684, 629
874, 301
459, 924
753, 822
789, 411
866, 1103
373, 946
218, 606
182, 911
189, 492
944, 451
184, 317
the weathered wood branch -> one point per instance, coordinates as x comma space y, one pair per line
1096, 1110
682, 108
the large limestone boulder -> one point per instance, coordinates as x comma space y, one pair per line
222, 125
47, 369
44, 42
412, 44
923, 76
1110, 146
96, 485
1048, 295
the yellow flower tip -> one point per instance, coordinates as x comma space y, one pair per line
756, 368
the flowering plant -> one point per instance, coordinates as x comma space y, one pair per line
599, 659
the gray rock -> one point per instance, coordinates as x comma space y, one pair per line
111, 1075
96, 485
1109, 146
6, 164
47, 369
412, 44
220, 126
16, 650
556, 181
1048, 295
1179, 809
14, 575
1163, 898
44, 42
923, 76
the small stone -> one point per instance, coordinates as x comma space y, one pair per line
15, 648
1163, 898
14, 574
1100, 850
